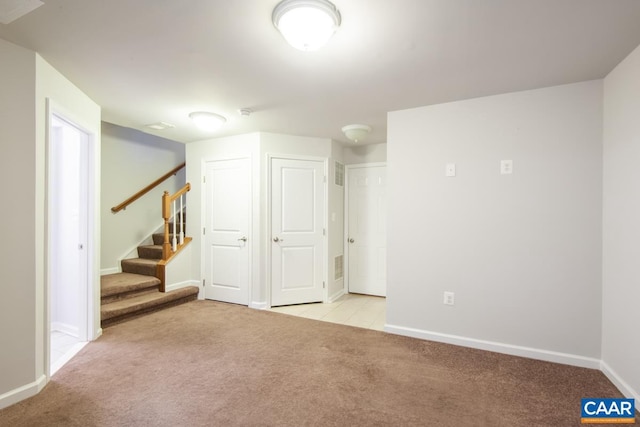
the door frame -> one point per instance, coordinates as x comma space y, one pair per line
269, 231
203, 217
90, 330
345, 239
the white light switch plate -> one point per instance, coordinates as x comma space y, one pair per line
450, 169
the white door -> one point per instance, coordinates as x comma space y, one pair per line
297, 234
366, 230
227, 198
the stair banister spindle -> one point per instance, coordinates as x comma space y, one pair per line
182, 197
174, 245
166, 214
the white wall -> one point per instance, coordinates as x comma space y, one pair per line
522, 252
69, 101
132, 160
17, 171
257, 146
621, 226
335, 229
371, 153
197, 154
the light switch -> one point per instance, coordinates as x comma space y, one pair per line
506, 167
450, 169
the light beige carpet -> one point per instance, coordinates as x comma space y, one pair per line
212, 364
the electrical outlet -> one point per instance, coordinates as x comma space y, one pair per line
506, 167
449, 298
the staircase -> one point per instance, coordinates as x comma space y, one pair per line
136, 291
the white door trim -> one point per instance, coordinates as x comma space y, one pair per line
269, 231
203, 213
90, 330
345, 242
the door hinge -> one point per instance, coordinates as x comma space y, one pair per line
324, 231
204, 179
203, 231
324, 178
203, 282
323, 285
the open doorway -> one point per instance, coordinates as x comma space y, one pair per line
68, 236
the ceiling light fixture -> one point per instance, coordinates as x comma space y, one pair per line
306, 24
356, 133
207, 121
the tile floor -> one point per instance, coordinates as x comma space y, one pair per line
363, 311
63, 348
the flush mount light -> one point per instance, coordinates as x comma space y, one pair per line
306, 24
356, 133
207, 121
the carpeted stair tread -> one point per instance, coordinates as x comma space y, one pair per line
140, 266
150, 251
121, 283
144, 303
158, 238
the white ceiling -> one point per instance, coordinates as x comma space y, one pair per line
146, 61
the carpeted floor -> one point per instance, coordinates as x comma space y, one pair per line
212, 364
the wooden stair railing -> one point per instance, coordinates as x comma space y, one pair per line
170, 247
146, 189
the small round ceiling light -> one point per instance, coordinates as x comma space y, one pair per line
356, 133
207, 121
306, 24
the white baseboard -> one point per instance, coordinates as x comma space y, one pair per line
514, 350
21, 393
621, 384
65, 328
175, 286
258, 305
112, 270
66, 357
336, 295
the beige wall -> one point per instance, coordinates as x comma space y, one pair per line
621, 226
27, 83
18, 225
522, 252
132, 160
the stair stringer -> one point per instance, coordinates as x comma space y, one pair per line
177, 270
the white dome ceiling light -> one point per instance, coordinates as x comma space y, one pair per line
306, 24
207, 121
356, 133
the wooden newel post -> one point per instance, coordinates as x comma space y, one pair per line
166, 214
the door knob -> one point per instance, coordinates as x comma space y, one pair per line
351, 240
277, 239
243, 238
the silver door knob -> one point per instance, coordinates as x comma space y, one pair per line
277, 239
243, 238
351, 240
